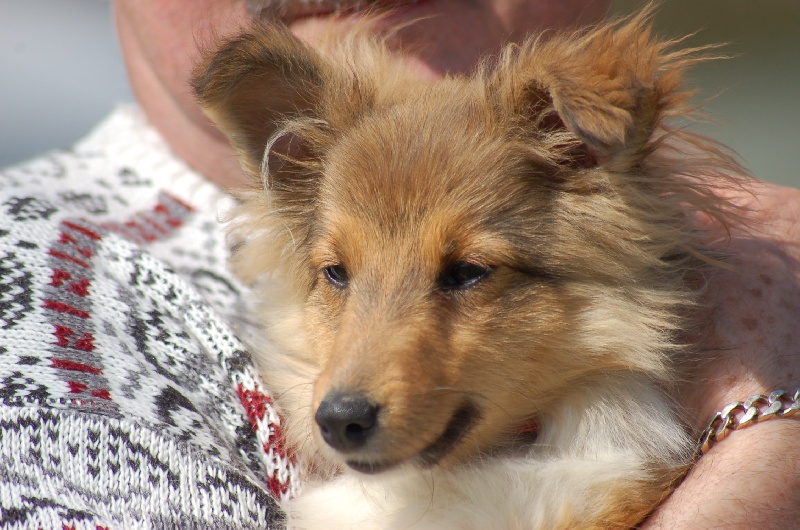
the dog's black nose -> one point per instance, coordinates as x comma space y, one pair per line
346, 421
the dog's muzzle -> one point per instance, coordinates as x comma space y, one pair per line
348, 421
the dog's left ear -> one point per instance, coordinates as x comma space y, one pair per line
253, 83
608, 87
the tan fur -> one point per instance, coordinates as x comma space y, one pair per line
552, 166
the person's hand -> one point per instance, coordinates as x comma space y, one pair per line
751, 479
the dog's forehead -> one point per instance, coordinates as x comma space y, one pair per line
439, 168
424, 207
420, 154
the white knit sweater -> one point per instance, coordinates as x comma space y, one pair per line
126, 400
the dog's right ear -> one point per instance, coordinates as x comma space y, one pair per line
253, 84
609, 87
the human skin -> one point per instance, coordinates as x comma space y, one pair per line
750, 479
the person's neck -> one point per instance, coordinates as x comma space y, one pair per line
190, 137
207, 153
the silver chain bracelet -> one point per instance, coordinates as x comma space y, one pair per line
740, 414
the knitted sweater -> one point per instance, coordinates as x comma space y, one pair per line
126, 399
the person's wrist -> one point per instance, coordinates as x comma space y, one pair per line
752, 480
757, 408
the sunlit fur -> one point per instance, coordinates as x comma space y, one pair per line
554, 167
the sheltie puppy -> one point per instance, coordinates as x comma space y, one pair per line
477, 293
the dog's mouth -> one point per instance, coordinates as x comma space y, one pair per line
460, 424
289, 10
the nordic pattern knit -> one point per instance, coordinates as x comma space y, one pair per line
126, 400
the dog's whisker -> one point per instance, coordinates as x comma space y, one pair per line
301, 387
428, 478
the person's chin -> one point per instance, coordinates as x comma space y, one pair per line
436, 36
312, 25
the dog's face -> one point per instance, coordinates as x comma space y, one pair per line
433, 304
466, 253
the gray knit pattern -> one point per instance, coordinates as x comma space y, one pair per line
126, 399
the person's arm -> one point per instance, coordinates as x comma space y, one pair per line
751, 479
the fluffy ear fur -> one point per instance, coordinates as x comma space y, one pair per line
256, 82
608, 86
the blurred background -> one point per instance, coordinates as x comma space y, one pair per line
60, 73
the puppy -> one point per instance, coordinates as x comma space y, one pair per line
475, 291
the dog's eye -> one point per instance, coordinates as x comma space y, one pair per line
336, 275
463, 276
